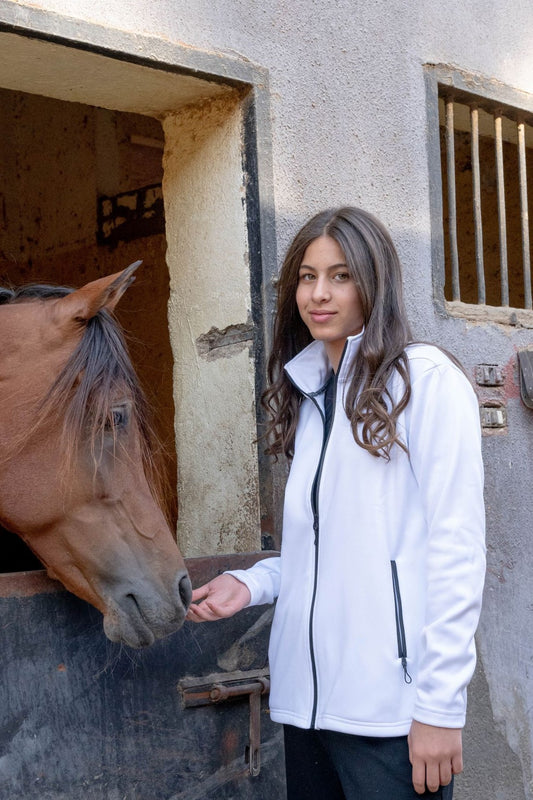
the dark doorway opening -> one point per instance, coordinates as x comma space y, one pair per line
81, 197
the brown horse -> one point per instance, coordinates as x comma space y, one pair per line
78, 480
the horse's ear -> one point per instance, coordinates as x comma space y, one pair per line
86, 302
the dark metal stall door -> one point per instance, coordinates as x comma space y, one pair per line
81, 717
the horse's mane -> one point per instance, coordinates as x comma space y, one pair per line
33, 291
87, 389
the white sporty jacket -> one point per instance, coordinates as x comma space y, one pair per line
379, 586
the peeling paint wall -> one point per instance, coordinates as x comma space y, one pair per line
209, 321
349, 125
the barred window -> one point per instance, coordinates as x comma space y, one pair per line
486, 157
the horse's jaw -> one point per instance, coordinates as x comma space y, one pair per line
141, 599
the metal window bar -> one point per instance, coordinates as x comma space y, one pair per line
476, 192
452, 204
524, 129
502, 221
524, 215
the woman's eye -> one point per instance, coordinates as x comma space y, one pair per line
306, 276
342, 276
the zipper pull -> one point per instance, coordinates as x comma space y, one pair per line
315, 528
407, 678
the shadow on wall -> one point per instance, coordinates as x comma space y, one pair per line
492, 769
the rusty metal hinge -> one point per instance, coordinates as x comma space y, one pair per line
218, 687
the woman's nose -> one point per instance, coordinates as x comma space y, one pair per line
321, 290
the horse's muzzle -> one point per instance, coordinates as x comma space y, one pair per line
139, 616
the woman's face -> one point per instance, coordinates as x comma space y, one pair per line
327, 297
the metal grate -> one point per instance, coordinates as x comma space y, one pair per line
487, 169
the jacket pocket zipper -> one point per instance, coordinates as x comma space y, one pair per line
400, 629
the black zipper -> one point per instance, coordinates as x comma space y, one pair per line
400, 629
311, 637
316, 530
316, 526
316, 533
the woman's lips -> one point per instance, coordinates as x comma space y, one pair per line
321, 316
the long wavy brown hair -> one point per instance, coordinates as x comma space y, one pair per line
374, 265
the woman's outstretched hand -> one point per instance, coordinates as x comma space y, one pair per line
222, 597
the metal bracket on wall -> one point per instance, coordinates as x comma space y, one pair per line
492, 409
525, 373
493, 415
489, 375
213, 689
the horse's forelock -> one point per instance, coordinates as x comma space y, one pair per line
87, 388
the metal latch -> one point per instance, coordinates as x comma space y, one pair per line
225, 686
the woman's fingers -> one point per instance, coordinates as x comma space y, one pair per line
220, 598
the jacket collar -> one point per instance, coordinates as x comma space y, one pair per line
310, 369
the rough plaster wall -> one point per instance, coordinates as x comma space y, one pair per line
348, 99
210, 293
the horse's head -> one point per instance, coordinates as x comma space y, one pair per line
77, 476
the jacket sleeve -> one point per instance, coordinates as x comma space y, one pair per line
262, 580
444, 440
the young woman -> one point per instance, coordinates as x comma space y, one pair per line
381, 571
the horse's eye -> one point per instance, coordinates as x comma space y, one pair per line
118, 418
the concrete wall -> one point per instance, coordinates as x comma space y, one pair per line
210, 292
349, 125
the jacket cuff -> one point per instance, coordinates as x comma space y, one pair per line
439, 719
257, 591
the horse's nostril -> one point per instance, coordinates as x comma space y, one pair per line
185, 590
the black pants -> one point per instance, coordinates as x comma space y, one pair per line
326, 765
